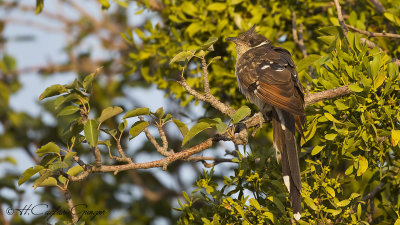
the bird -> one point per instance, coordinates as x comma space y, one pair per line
268, 78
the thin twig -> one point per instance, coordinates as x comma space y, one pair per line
372, 34
341, 20
298, 37
378, 5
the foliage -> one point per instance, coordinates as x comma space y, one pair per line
351, 145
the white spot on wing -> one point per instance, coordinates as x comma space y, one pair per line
287, 182
261, 44
279, 70
279, 112
265, 67
277, 153
297, 216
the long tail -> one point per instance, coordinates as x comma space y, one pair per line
283, 124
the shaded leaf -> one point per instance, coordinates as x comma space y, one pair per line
109, 112
242, 113
91, 132
47, 149
39, 6
307, 61
195, 130
137, 128
29, 173
68, 110
137, 112
181, 126
181, 56
53, 90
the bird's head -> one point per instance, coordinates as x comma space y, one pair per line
248, 40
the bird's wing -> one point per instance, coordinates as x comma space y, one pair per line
270, 74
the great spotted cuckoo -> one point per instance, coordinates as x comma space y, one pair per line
267, 77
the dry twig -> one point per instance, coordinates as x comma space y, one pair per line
372, 34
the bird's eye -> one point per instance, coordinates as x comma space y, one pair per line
251, 42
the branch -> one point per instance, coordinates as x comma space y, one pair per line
328, 94
378, 5
203, 159
71, 206
341, 20
372, 194
368, 196
298, 37
208, 97
163, 150
371, 34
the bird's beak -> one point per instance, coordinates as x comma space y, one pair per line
231, 39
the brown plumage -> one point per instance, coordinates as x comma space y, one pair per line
268, 78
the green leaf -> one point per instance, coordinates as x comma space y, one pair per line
241, 114
362, 165
195, 130
181, 126
255, 204
395, 137
137, 112
137, 128
91, 132
53, 90
330, 190
68, 110
104, 4
355, 88
330, 137
277, 202
307, 61
221, 126
343, 203
334, 212
340, 105
59, 165
73, 171
48, 149
39, 6
182, 56
317, 149
49, 181
209, 43
159, 113
188, 8
123, 125
29, 173
310, 203
216, 7
380, 78
87, 81
331, 118
109, 112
